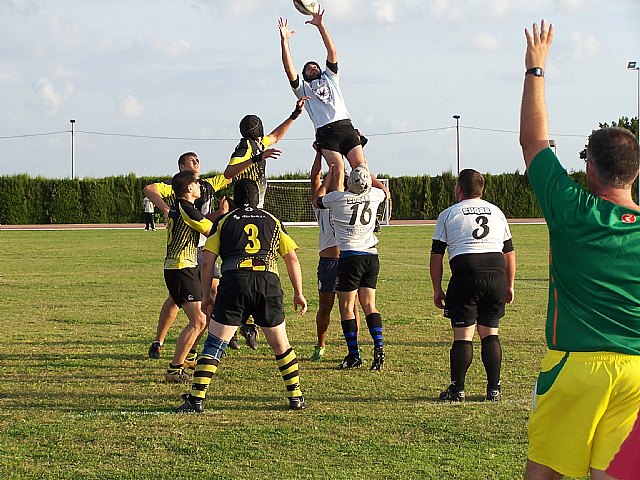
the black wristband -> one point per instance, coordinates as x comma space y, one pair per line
535, 71
295, 114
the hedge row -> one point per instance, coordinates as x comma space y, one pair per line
25, 200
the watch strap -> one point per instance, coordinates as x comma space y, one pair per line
535, 71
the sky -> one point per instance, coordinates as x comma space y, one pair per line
146, 80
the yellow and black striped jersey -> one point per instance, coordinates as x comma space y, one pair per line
250, 239
208, 188
246, 149
185, 225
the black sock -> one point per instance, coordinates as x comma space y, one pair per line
460, 357
492, 360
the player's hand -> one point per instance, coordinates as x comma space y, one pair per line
300, 301
300, 105
207, 305
271, 153
285, 33
538, 44
439, 298
510, 296
316, 18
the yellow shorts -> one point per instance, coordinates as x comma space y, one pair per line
584, 406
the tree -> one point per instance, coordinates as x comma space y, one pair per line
623, 122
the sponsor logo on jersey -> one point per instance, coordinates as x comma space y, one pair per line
476, 211
628, 218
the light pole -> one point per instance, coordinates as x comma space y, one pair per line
634, 66
73, 149
457, 117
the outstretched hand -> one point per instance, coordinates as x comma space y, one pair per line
316, 18
285, 33
271, 153
538, 44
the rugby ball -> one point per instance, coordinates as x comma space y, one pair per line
306, 7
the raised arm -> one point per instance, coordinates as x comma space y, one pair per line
287, 62
151, 192
534, 121
281, 129
295, 276
332, 54
316, 170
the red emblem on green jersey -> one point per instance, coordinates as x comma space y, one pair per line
628, 218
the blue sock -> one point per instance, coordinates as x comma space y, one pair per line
374, 323
350, 331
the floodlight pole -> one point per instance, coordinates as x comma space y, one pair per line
457, 117
73, 149
634, 66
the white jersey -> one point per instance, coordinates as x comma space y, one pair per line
325, 104
472, 226
354, 218
326, 235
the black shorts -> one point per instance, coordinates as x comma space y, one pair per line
243, 293
475, 298
339, 136
327, 272
357, 271
183, 285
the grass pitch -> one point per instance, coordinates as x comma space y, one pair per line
80, 399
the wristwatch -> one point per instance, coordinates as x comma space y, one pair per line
536, 71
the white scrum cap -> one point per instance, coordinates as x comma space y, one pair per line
359, 179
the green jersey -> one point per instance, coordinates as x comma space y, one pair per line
594, 273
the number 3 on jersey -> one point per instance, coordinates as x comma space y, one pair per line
254, 243
483, 230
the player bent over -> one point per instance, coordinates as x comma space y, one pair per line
483, 268
248, 240
184, 226
354, 213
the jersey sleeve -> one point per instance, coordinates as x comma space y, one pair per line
440, 232
242, 152
556, 192
327, 200
164, 189
266, 141
218, 182
213, 242
287, 244
194, 218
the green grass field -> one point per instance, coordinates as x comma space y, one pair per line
80, 399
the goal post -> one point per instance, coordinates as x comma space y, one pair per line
290, 202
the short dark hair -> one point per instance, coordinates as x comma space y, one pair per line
245, 192
471, 182
613, 152
182, 159
181, 181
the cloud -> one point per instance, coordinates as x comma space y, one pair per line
7, 77
385, 10
585, 46
130, 107
487, 42
55, 98
174, 48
